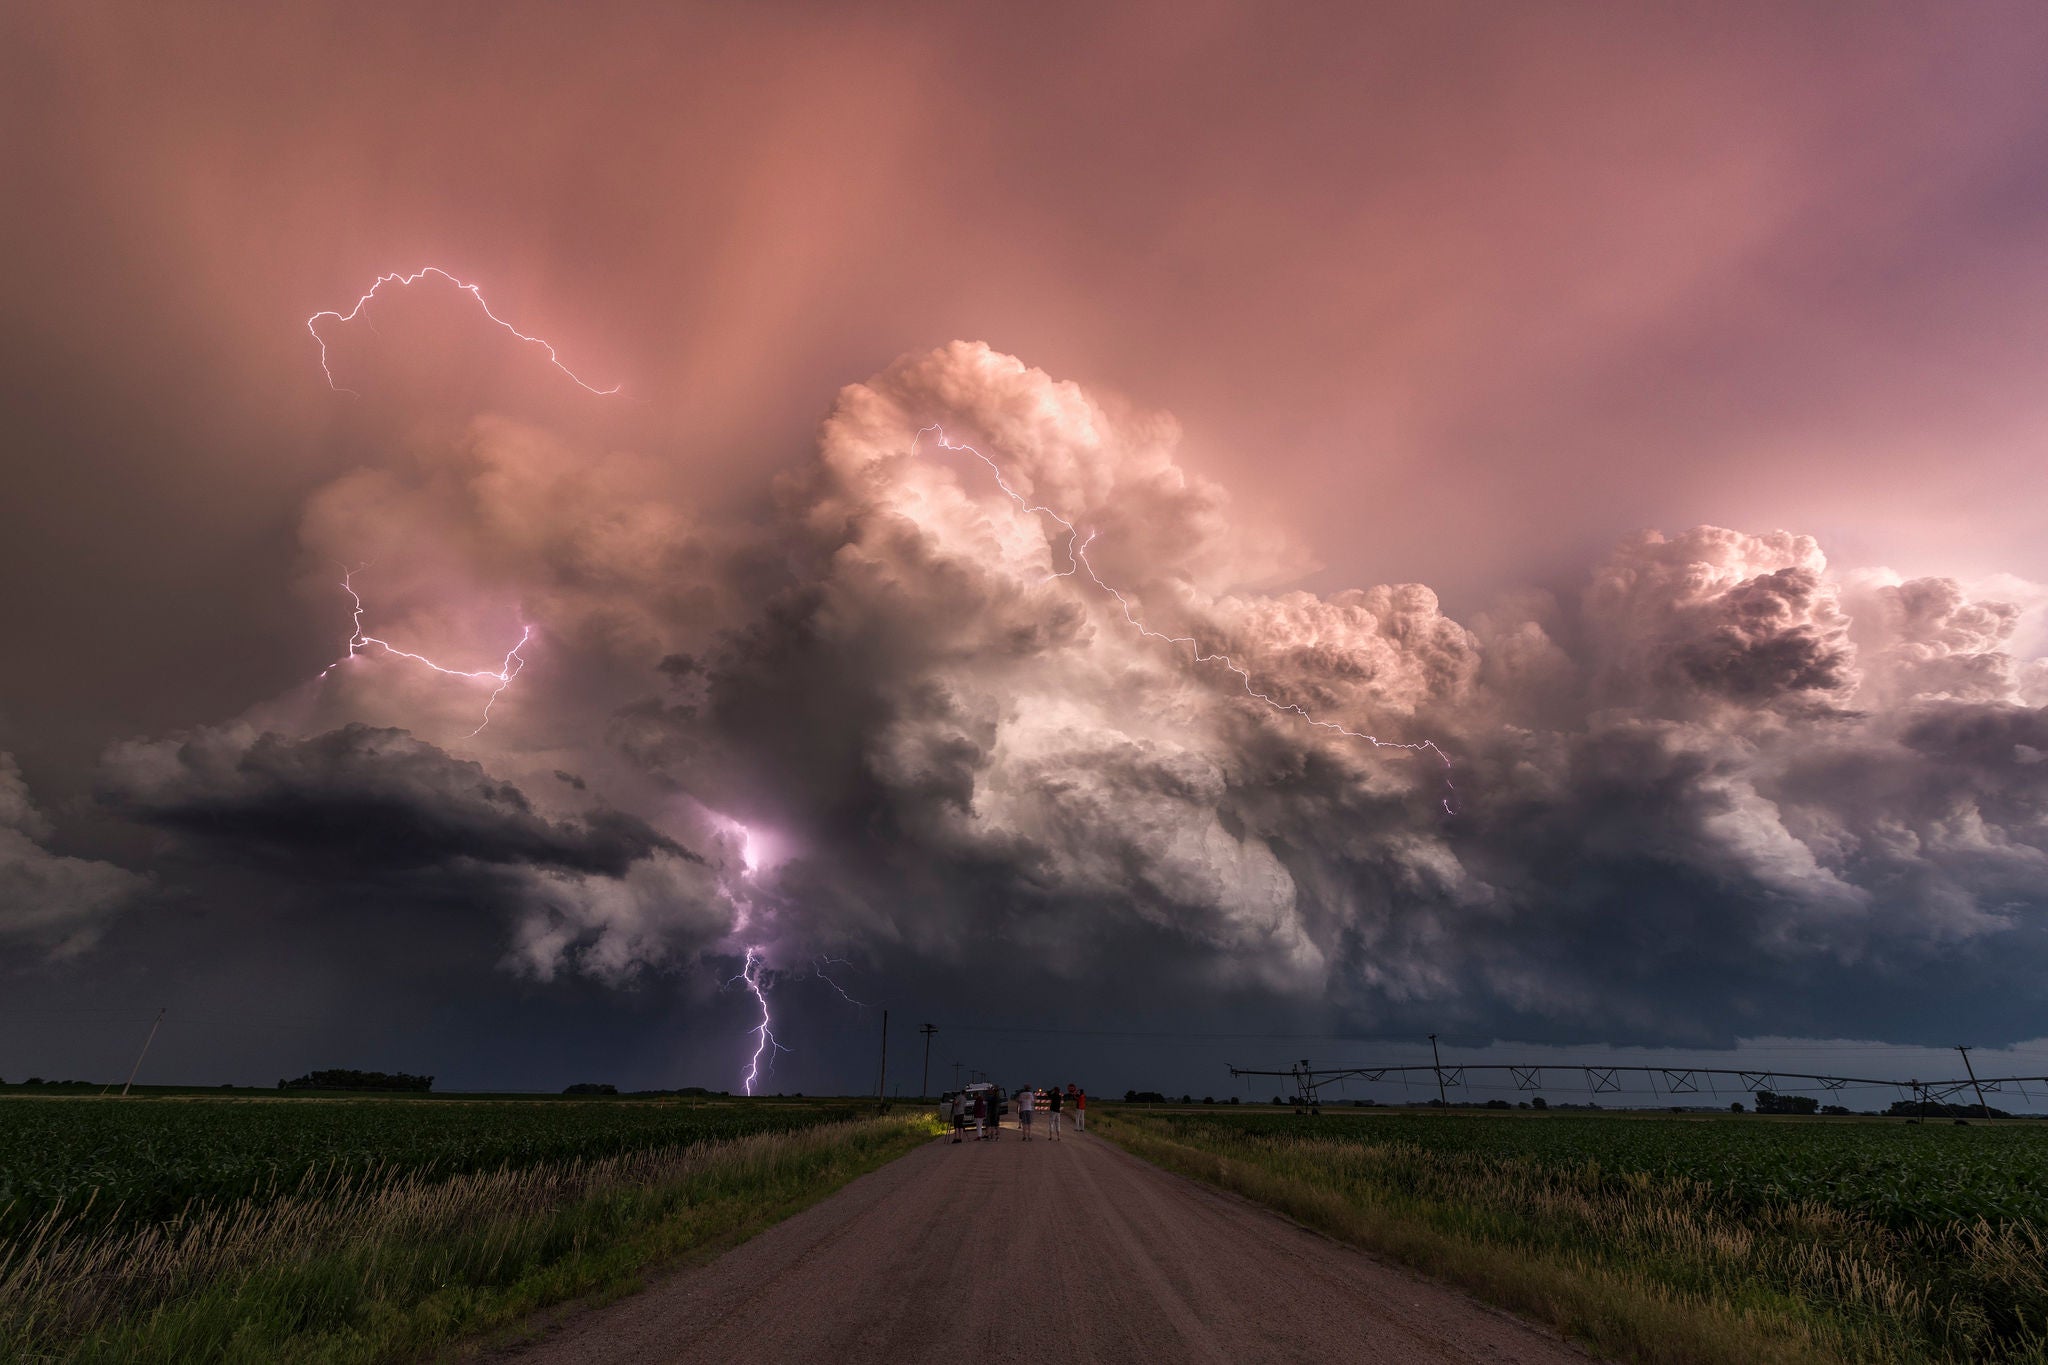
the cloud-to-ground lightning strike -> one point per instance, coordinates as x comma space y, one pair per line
763, 1033
753, 973
312, 325
502, 676
1078, 562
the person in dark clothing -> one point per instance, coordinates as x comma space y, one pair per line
1053, 1103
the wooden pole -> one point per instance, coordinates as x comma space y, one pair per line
882, 1081
144, 1053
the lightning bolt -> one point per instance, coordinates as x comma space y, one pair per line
313, 325
818, 970
1079, 563
754, 971
502, 676
762, 1033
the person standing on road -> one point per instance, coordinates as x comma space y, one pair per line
1052, 1123
1024, 1111
1079, 1104
959, 1108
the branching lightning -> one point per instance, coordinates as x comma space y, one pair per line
312, 325
762, 1033
1079, 563
501, 676
818, 965
513, 662
755, 973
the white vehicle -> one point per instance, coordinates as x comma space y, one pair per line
1000, 1103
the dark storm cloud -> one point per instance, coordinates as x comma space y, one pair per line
1731, 810
363, 806
1721, 789
49, 901
360, 800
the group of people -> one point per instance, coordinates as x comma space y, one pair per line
1071, 1102
983, 1108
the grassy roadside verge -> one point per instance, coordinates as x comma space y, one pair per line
1638, 1267
363, 1268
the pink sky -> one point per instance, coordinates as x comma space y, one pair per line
1453, 295
1460, 299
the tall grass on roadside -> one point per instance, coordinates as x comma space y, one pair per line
145, 1160
1645, 1267
382, 1265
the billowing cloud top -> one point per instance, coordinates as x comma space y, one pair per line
898, 716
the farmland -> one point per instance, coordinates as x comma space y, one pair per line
141, 1161
1905, 1175
376, 1229
1673, 1239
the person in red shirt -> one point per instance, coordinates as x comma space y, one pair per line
1077, 1106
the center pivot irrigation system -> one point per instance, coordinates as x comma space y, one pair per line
1661, 1081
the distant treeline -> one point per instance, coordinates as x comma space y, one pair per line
1917, 1109
688, 1092
358, 1080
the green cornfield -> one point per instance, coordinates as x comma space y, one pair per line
1676, 1239
143, 1160
1899, 1174
375, 1229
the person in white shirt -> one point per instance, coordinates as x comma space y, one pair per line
1024, 1098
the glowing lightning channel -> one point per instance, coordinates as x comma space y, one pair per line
312, 325
358, 642
764, 1035
1078, 562
818, 970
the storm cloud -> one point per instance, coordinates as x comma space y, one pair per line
379, 810
1728, 800
48, 901
1720, 789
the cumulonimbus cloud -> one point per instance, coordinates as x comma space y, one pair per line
1723, 774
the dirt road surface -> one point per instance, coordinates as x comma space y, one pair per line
1054, 1253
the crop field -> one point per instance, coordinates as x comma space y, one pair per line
141, 1160
1904, 1175
366, 1229
1667, 1238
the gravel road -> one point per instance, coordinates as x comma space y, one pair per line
1055, 1253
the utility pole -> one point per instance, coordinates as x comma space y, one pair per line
144, 1053
924, 1087
882, 1081
1440, 1097
956, 1076
1983, 1109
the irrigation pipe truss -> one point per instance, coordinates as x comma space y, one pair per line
1607, 1080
